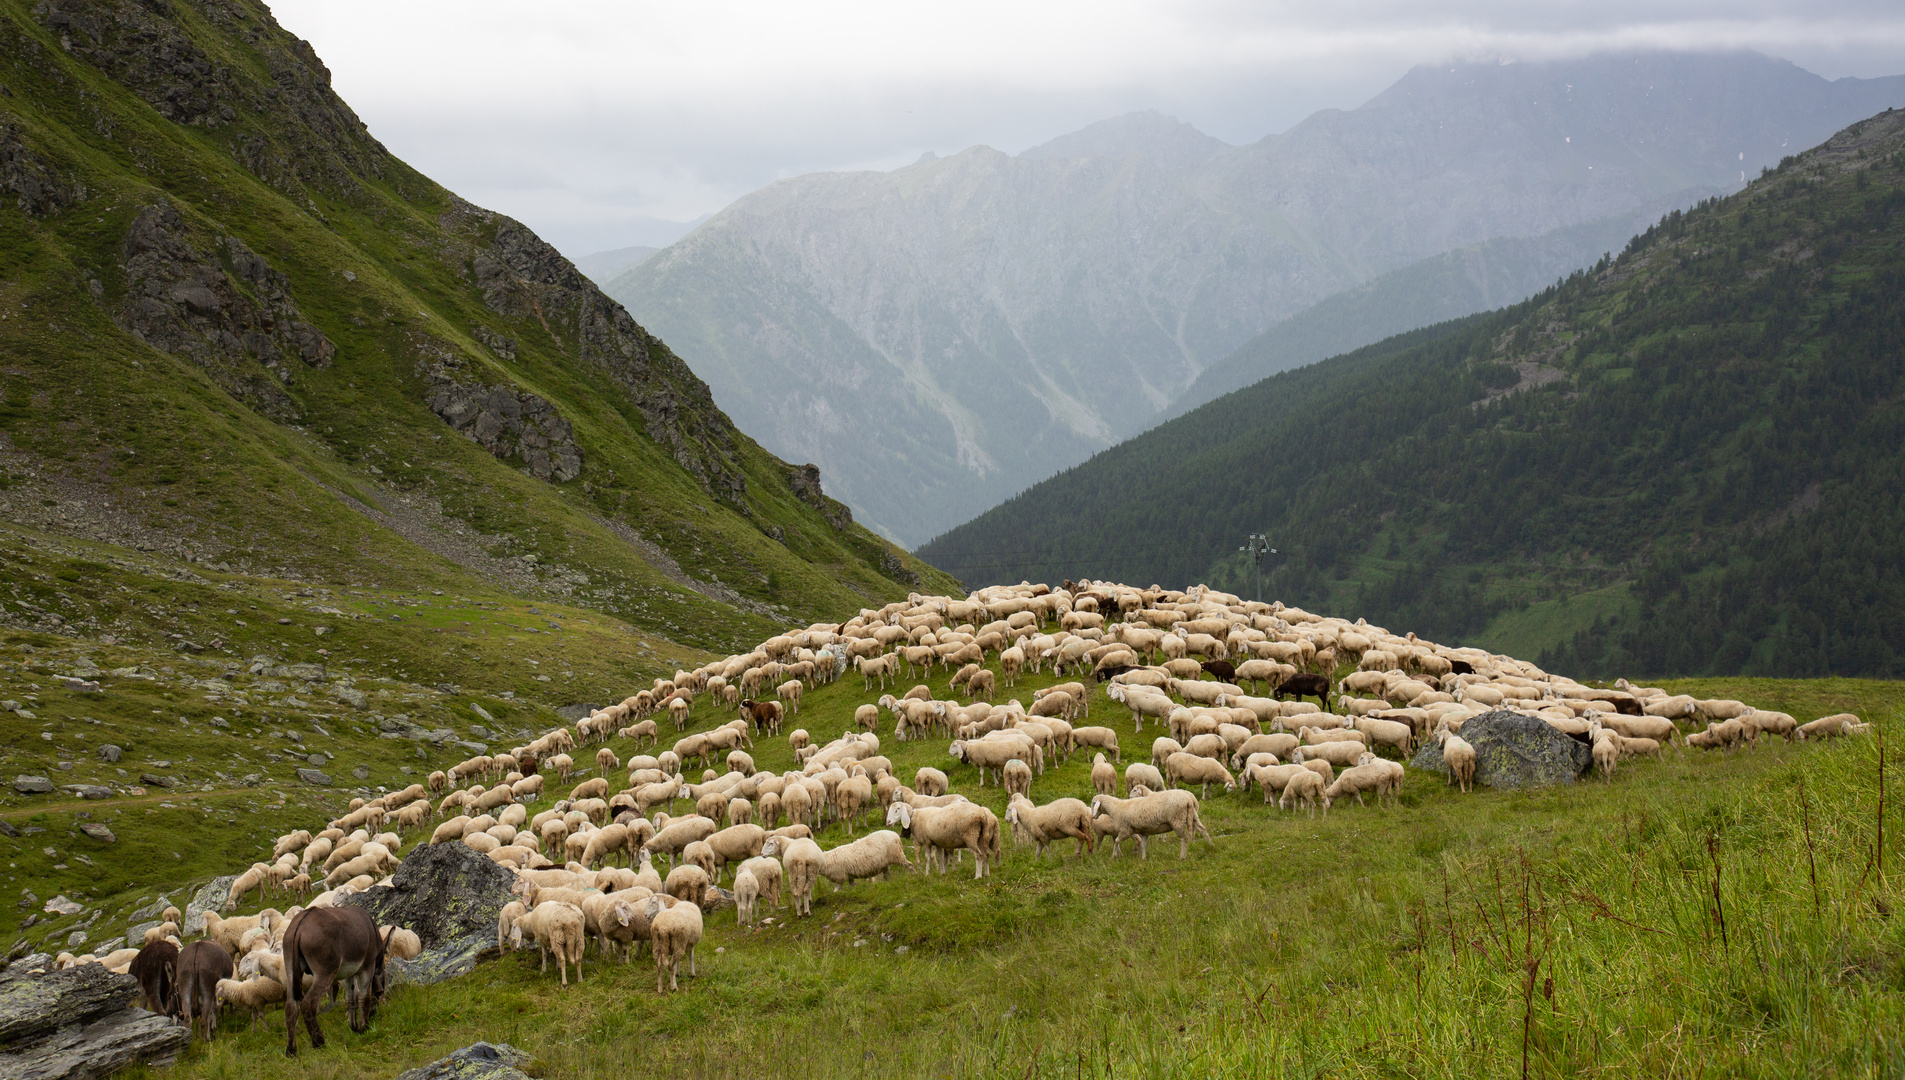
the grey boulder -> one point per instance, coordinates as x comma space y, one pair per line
33, 785
481, 1061
77, 1024
1513, 750
451, 896
210, 898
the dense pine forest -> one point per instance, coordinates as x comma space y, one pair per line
1684, 461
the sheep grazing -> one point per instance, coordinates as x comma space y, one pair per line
1606, 754
1186, 768
1150, 815
1041, 825
1138, 773
1305, 788
255, 995
688, 882
674, 929
1104, 778
506, 921
1017, 778
871, 856
747, 894
1370, 777
1459, 756
802, 860
1826, 727
768, 873
930, 781
558, 928
939, 830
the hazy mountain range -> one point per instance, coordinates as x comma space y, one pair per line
939, 336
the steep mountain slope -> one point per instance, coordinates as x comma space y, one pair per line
939, 336
1690, 459
238, 331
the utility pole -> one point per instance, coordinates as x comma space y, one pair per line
1258, 546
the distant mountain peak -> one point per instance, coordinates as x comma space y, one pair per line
1165, 139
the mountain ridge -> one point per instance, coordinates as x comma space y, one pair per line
1683, 460
985, 320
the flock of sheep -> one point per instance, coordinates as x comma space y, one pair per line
1178, 659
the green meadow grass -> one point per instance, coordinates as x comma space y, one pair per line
1579, 926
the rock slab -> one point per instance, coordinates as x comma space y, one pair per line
451, 896
94, 1050
1513, 750
481, 1061
210, 898
33, 1006
32, 785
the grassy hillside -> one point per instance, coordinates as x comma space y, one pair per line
1371, 942
1712, 420
238, 331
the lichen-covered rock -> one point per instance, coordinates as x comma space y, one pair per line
451, 896
210, 898
481, 1061
34, 1005
1513, 750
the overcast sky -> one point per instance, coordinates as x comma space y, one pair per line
587, 118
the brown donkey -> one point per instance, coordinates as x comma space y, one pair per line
331, 945
155, 967
195, 987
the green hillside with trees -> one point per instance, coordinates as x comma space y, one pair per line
1686, 460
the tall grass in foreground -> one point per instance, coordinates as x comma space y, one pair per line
1700, 916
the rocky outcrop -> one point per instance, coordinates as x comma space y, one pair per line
210, 898
78, 1024
221, 306
451, 896
521, 276
804, 480
481, 1061
1514, 751
294, 130
511, 424
29, 177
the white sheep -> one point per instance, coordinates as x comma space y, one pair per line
1104, 778
674, 929
1459, 755
1016, 778
1150, 815
1305, 788
558, 928
1139, 773
1187, 768
1041, 825
802, 859
747, 894
956, 826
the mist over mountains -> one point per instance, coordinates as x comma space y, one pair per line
940, 336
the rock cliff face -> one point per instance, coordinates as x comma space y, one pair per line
221, 305
938, 337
